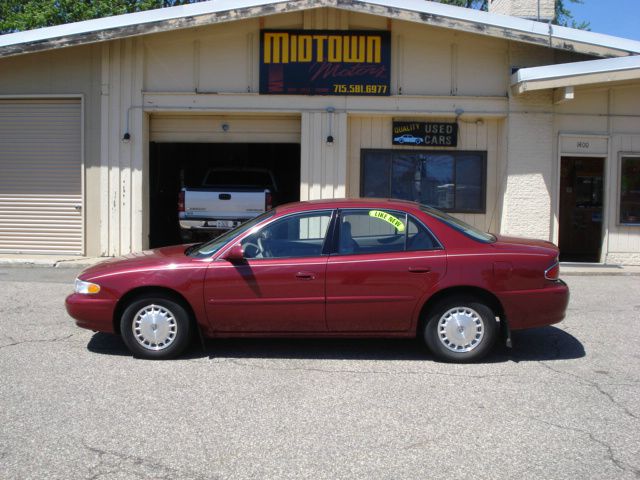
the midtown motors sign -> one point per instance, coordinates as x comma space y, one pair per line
325, 62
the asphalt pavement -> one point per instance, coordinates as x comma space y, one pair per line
564, 403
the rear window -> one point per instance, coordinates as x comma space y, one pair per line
229, 178
457, 224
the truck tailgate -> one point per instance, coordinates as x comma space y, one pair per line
220, 204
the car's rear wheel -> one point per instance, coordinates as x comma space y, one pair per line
460, 329
155, 327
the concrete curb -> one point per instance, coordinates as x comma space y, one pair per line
78, 263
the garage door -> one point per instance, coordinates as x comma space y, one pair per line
41, 177
225, 128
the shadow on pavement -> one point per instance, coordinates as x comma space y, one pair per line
548, 343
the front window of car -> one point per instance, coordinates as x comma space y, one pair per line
294, 236
459, 225
212, 246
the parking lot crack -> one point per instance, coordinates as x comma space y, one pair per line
113, 462
47, 340
596, 386
609, 450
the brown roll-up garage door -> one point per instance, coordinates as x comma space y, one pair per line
41, 177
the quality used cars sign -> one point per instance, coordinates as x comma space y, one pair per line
425, 134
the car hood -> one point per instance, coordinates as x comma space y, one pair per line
517, 243
147, 259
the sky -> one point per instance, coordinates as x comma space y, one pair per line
613, 17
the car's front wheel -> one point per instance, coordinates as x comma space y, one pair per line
155, 327
460, 329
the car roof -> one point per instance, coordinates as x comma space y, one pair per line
385, 203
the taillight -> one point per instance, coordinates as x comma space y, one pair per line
181, 201
268, 201
553, 272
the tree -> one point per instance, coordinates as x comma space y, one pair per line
477, 4
19, 15
563, 14
565, 18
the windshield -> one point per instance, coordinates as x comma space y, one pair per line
217, 243
459, 225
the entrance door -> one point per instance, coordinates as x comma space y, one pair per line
581, 194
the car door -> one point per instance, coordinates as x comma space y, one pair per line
386, 263
280, 286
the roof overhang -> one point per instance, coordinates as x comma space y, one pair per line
219, 11
576, 74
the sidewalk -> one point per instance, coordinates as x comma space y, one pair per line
592, 269
566, 269
11, 260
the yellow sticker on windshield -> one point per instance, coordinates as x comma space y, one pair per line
387, 218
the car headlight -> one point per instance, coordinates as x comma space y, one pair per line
86, 288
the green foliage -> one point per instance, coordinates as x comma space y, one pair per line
19, 15
477, 4
565, 18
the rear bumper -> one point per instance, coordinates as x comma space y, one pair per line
210, 225
91, 312
535, 308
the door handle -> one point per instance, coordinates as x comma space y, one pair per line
419, 269
305, 275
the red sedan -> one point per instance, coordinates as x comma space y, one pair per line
336, 268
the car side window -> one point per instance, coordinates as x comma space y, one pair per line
381, 231
419, 238
295, 236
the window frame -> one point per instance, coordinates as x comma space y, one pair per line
622, 156
326, 243
454, 153
337, 222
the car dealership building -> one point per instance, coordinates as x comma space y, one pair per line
514, 125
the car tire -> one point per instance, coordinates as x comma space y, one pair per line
155, 327
460, 329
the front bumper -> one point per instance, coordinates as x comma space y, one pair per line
93, 313
535, 308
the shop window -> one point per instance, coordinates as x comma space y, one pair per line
630, 190
449, 181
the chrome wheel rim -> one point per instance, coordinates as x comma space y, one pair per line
154, 327
461, 329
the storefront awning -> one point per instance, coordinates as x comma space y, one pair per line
576, 74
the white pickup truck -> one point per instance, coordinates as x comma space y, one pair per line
226, 198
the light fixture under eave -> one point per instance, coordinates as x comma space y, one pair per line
330, 111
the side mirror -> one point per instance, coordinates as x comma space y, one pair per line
235, 254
